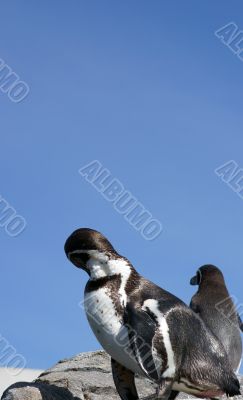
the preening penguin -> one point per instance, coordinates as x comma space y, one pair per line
215, 306
145, 329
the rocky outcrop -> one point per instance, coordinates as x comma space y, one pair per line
86, 376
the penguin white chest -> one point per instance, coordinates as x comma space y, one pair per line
108, 327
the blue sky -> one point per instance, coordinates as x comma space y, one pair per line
147, 89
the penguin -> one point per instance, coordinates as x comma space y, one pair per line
145, 329
214, 305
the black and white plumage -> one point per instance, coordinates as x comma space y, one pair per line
215, 306
145, 329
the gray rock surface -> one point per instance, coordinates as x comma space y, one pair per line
86, 376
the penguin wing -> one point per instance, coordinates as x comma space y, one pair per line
240, 323
124, 380
141, 329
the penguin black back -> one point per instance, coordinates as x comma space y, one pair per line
215, 306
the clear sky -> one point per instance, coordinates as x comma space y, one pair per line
148, 90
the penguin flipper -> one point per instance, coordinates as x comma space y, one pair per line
124, 380
141, 330
240, 323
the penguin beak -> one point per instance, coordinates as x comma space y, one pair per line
75, 261
194, 281
79, 260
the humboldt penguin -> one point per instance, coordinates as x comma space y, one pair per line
215, 306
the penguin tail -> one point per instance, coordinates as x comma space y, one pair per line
232, 387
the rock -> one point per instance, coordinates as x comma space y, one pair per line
86, 376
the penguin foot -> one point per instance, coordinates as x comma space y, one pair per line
173, 395
164, 389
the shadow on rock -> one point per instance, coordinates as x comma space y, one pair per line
38, 391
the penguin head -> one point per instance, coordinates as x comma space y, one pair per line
207, 272
86, 244
196, 280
